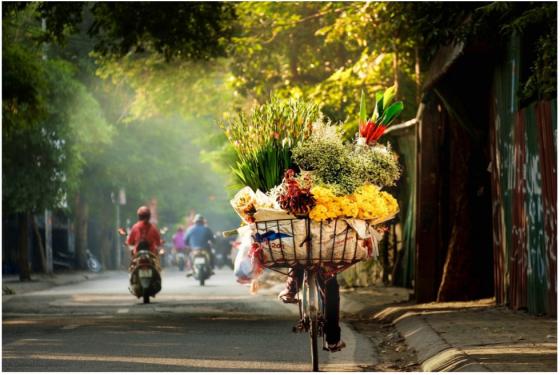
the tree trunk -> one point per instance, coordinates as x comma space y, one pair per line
396, 71
457, 281
23, 247
106, 247
82, 216
456, 271
293, 58
417, 74
42, 251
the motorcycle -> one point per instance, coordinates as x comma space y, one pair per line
93, 264
144, 273
222, 259
201, 268
222, 251
181, 260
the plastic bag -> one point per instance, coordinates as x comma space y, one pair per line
243, 266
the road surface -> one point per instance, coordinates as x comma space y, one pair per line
98, 325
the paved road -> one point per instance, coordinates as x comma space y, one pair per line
98, 326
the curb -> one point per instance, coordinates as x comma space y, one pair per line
433, 352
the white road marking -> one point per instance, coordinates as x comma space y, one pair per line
122, 311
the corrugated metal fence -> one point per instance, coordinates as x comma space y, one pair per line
524, 197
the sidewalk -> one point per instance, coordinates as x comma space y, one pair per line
12, 286
465, 336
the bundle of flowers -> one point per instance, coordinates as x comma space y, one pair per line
262, 140
368, 202
337, 185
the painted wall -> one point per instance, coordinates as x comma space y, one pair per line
523, 142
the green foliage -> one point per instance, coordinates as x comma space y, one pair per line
284, 120
22, 86
320, 51
40, 132
344, 167
320, 154
61, 19
187, 30
159, 88
376, 165
122, 129
157, 159
437, 24
363, 108
536, 22
385, 111
197, 30
262, 168
263, 139
327, 157
330, 164
542, 82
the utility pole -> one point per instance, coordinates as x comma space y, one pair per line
119, 200
48, 241
48, 213
118, 242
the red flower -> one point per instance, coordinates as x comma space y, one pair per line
297, 200
371, 131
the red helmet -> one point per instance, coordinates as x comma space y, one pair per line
143, 213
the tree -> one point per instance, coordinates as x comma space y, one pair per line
49, 120
187, 30
327, 52
21, 104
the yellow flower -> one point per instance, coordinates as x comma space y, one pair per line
368, 203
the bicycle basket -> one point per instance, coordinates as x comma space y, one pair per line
285, 243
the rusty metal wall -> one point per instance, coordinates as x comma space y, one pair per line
523, 172
518, 257
546, 120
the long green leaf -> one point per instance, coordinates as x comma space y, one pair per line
378, 112
391, 113
388, 96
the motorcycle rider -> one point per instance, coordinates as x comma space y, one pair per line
144, 234
199, 236
179, 241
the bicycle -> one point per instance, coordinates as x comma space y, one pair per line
289, 243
